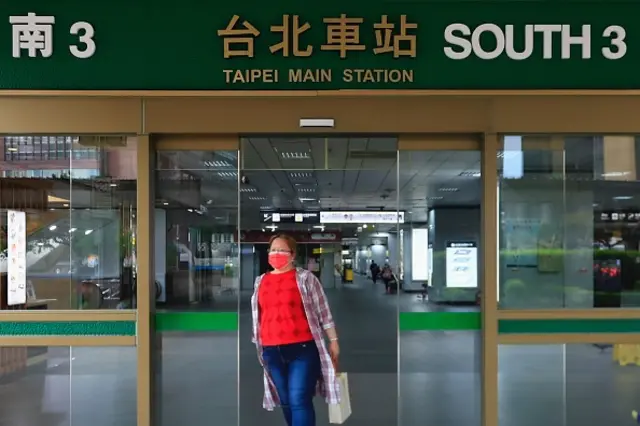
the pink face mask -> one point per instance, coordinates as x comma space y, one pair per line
279, 260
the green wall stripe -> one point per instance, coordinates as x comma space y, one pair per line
196, 321
553, 326
412, 321
68, 328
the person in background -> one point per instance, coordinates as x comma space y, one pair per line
290, 314
387, 277
375, 271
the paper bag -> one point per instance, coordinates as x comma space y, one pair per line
339, 413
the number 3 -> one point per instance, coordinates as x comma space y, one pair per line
86, 38
617, 34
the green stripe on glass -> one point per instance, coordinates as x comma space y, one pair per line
412, 321
68, 328
579, 326
196, 321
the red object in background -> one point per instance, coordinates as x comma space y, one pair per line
609, 271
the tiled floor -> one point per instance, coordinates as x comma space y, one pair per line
428, 378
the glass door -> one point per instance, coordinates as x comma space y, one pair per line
337, 197
197, 274
440, 336
391, 230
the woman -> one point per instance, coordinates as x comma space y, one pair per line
290, 312
387, 277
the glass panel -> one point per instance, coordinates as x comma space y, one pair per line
568, 385
440, 381
570, 212
69, 242
285, 194
440, 272
196, 240
197, 286
199, 378
62, 386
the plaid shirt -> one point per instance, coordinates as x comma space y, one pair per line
320, 319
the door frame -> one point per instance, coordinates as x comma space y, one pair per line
406, 142
228, 114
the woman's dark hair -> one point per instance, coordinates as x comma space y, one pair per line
288, 239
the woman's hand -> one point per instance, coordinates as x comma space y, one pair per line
334, 352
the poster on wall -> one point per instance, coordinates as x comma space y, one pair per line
462, 264
17, 258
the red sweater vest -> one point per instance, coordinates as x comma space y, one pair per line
282, 317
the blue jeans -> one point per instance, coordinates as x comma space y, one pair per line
294, 370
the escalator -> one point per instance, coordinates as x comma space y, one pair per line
37, 223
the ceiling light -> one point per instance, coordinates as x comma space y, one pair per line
190, 210
295, 155
448, 189
435, 198
113, 185
165, 203
227, 175
300, 175
257, 198
65, 205
623, 197
88, 231
12, 149
53, 228
469, 174
364, 226
73, 230
217, 163
248, 189
306, 199
317, 122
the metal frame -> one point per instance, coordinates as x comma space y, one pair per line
411, 114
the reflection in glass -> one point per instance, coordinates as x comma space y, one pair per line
79, 197
45, 386
569, 385
569, 222
196, 236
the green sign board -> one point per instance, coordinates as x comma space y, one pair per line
327, 45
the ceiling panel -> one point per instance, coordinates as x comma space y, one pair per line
340, 173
